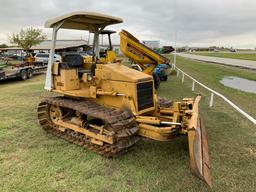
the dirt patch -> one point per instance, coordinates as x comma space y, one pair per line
129, 182
252, 151
11, 158
60, 176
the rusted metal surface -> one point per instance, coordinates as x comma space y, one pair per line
162, 102
198, 147
206, 158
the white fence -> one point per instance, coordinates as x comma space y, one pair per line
212, 94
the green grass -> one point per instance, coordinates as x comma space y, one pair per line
211, 76
31, 160
235, 55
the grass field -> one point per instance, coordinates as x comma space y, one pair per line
212, 74
31, 160
235, 55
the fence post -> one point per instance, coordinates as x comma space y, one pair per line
211, 100
252, 119
183, 77
193, 85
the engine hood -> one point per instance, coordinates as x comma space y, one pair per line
119, 72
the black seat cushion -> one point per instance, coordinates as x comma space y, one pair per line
72, 60
103, 54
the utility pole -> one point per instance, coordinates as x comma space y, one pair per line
175, 48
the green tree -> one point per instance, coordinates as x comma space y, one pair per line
27, 38
3, 45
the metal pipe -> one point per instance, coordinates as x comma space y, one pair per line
175, 50
48, 80
166, 111
193, 86
169, 123
211, 100
110, 43
96, 46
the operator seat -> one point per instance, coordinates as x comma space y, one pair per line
74, 61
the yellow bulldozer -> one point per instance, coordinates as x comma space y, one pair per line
108, 107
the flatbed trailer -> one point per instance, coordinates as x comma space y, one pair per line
23, 71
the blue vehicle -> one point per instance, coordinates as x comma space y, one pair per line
161, 71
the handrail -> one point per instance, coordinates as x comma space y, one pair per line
213, 92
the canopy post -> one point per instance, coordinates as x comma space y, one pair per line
48, 81
96, 40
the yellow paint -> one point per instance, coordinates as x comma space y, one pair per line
139, 53
115, 85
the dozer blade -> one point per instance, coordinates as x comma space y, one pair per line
198, 146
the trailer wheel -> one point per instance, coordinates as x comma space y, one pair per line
164, 78
23, 75
156, 81
29, 73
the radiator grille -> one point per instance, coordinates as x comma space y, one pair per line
145, 95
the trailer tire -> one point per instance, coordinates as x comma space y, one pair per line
156, 81
23, 75
29, 73
164, 78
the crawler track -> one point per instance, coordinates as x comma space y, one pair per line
119, 123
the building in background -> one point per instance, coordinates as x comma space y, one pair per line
64, 45
61, 46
